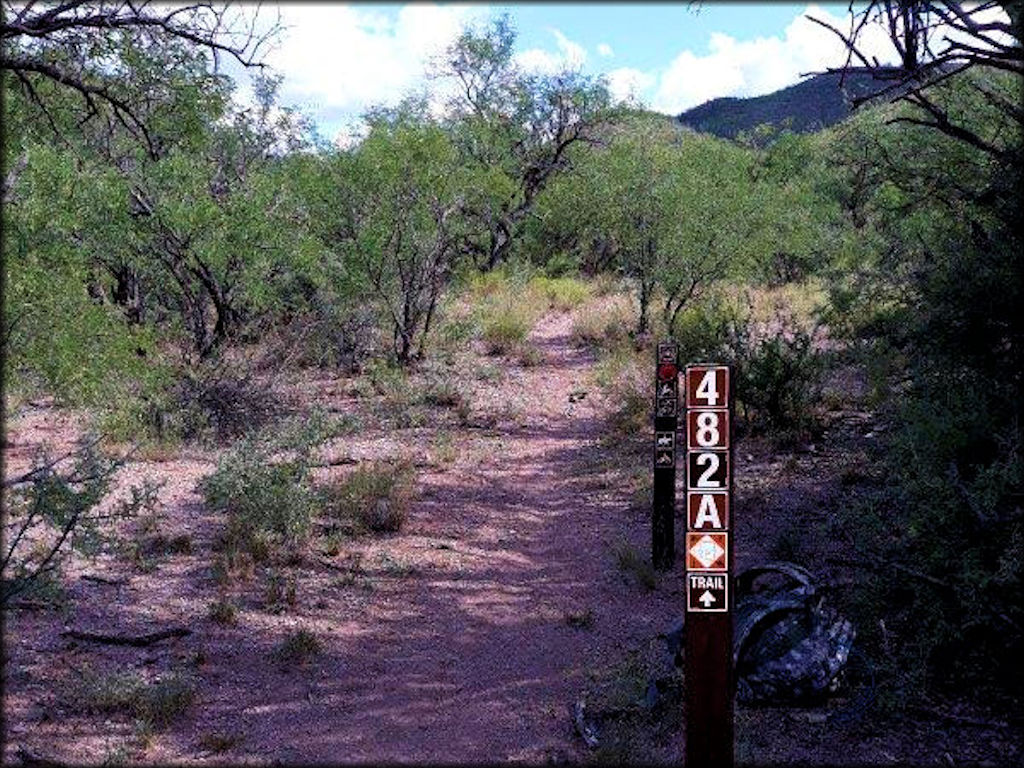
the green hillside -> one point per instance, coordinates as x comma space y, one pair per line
811, 105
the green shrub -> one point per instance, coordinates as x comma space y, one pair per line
703, 328
262, 485
777, 376
50, 511
374, 497
949, 522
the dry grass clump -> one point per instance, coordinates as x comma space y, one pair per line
626, 378
297, 647
604, 324
505, 325
633, 564
504, 307
560, 293
222, 612
373, 498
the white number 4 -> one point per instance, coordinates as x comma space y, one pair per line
707, 390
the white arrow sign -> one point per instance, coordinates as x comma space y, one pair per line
707, 598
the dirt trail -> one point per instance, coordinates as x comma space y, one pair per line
449, 643
476, 663
459, 652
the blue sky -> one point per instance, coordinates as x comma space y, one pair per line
339, 59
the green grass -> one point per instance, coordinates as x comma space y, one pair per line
634, 565
156, 702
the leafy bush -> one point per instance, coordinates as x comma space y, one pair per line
777, 376
374, 497
262, 484
949, 521
703, 328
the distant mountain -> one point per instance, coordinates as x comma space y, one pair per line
811, 105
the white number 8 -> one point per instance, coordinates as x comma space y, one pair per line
707, 429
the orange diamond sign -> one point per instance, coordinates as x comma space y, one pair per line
707, 551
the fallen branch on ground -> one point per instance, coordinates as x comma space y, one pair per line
139, 641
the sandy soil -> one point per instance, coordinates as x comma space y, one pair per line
454, 644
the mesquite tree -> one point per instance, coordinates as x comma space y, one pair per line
401, 220
514, 131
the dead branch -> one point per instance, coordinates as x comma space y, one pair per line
137, 641
337, 462
103, 579
33, 473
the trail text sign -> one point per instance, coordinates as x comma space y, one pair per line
666, 421
708, 633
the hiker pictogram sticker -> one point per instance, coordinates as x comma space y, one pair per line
707, 511
707, 592
707, 551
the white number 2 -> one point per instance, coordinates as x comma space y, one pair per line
707, 390
705, 481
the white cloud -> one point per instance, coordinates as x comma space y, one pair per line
570, 55
762, 65
629, 85
605, 50
337, 60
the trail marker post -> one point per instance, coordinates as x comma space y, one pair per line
709, 670
666, 421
